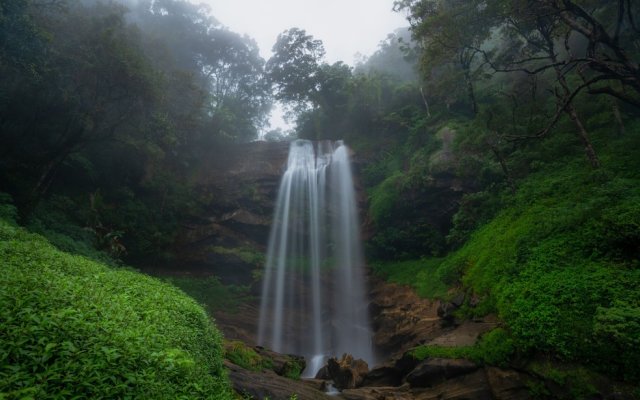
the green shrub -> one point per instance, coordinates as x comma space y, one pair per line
74, 328
243, 356
292, 369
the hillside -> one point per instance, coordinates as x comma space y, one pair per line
74, 328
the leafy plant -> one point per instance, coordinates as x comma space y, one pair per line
73, 327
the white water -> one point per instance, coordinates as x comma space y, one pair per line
313, 293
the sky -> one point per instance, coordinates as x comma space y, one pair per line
346, 27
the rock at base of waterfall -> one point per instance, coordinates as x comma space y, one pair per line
347, 373
437, 370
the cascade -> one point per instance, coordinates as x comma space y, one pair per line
313, 294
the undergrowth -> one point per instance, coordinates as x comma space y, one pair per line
75, 328
559, 263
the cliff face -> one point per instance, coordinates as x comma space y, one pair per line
229, 238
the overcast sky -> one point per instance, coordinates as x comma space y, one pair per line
346, 27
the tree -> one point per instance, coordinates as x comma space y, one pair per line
294, 68
450, 33
97, 87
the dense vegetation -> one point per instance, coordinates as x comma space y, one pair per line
107, 107
547, 230
497, 141
75, 328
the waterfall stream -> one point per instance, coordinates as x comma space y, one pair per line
313, 295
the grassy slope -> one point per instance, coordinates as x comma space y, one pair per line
74, 328
559, 263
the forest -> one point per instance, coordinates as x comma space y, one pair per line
496, 154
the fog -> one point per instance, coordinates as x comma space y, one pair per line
347, 27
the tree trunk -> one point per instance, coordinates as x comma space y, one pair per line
426, 103
584, 137
471, 91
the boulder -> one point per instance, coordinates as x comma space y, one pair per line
472, 386
282, 364
267, 384
378, 393
347, 373
323, 373
385, 375
434, 371
401, 319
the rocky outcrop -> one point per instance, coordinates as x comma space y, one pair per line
458, 380
268, 384
228, 237
433, 371
401, 319
347, 372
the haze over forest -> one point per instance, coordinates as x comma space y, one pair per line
494, 148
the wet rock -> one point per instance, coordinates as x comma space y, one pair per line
472, 386
323, 373
386, 375
507, 384
465, 334
401, 319
378, 393
267, 384
282, 364
406, 363
445, 312
434, 371
347, 373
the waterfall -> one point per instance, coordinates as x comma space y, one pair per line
313, 294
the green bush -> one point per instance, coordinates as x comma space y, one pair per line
75, 328
243, 356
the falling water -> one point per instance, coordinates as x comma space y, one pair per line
313, 294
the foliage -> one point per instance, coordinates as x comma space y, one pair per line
75, 328
292, 369
244, 356
246, 254
578, 381
111, 105
8, 211
420, 274
494, 348
560, 263
211, 293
